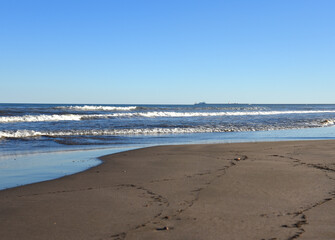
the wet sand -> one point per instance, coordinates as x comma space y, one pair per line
271, 190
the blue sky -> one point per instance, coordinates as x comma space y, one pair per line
167, 51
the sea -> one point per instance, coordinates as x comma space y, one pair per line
40, 142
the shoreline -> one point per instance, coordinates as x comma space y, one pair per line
282, 190
17, 168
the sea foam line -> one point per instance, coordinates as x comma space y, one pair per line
113, 132
41, 118
154, 131
97, 108
78, 117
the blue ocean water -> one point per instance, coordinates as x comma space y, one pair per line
30, 133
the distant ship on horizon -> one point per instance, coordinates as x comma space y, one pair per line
200, 103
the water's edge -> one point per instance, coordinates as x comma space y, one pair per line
19, 169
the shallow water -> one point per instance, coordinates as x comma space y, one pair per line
30, 167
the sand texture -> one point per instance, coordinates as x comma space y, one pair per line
273, 190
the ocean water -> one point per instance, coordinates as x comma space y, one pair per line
36, 139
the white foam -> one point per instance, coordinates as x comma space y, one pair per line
40, 118
140, 131
201, 114
98, 108
78, 117
19, 134
210, 114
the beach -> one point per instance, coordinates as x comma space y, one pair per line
261, 190
167, 120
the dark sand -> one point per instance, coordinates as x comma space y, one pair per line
280, 190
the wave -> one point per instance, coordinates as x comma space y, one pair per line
142, 131
214, 114
156, 131
97, 108
41, 118
78, 117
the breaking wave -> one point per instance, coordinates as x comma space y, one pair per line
97, 108
40, 118
142, 131
78, 117
156, 131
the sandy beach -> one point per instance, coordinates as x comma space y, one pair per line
270, 190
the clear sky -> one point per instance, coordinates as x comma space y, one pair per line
167, 51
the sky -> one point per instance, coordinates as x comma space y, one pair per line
167, 51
